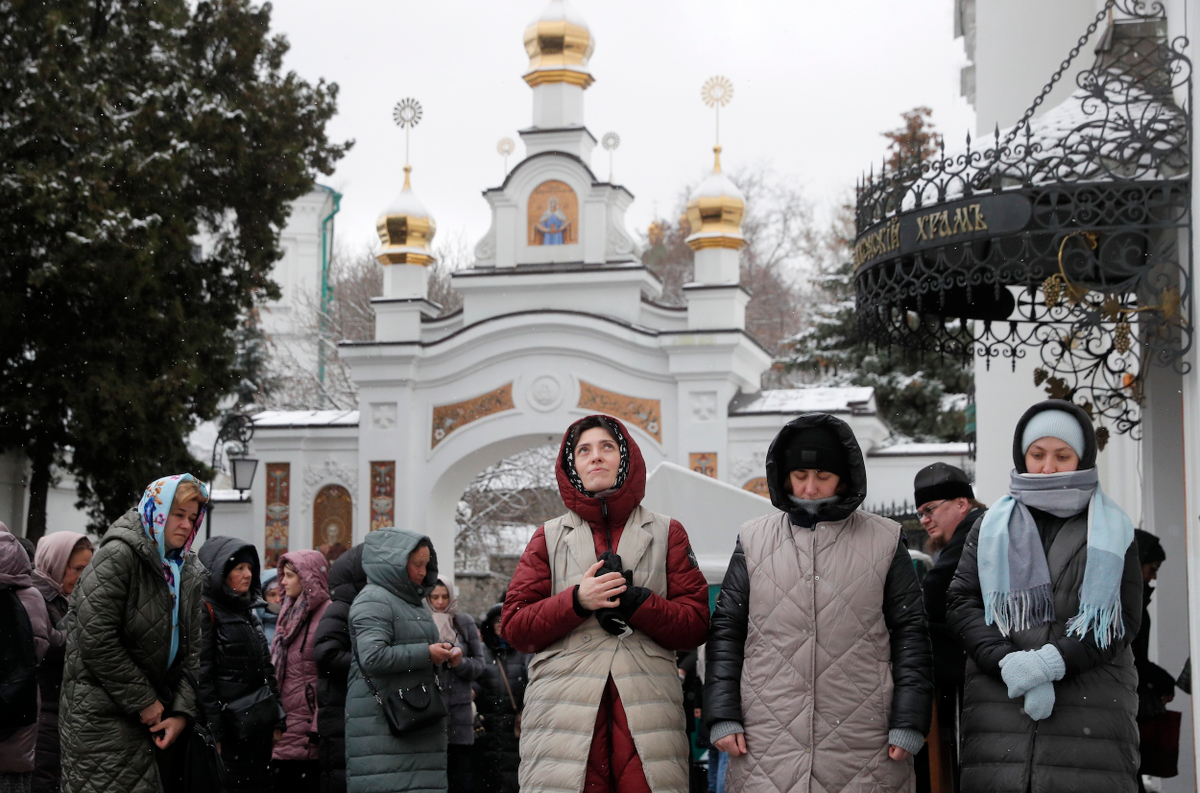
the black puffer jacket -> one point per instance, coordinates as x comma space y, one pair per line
332, 653
729, 632
1090, 741
949, 658
235, 660
499, 746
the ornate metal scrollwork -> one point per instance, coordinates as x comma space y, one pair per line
1066, 235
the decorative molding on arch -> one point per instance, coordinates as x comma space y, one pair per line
331, 472
644, 413
448, 418
748, 466
759, 486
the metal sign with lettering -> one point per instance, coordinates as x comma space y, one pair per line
975, 218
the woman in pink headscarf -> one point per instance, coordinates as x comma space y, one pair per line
305, 582
57, 565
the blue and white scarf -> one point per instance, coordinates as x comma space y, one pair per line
1014, 575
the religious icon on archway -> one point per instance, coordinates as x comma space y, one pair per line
332, 515
553, 214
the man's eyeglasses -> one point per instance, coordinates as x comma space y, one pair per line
926, 512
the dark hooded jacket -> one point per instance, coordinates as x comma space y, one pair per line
1090, 741
332, 649
118, 645
825, 755
392, 628
235, 660
506, 668
17, 750
949, 658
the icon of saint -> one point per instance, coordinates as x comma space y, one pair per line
552, 224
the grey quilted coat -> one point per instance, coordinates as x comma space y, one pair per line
118, 643
391, 628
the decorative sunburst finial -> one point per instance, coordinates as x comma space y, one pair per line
610, 141
506, 147
407, 114
716, 92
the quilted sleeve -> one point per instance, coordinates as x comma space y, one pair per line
964, 612
680, 620
1080, 655
726, 648
99, 605
533, 619
331, 650
912, 658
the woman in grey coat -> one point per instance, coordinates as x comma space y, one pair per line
1047, 599
396, 644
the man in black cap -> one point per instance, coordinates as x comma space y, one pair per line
947, 509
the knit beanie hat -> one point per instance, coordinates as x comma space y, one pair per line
817, 448
1054, 424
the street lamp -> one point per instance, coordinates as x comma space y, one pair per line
235, 428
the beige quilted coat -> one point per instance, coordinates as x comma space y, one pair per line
567, 679
816, 681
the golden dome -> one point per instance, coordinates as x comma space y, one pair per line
406, 229
559, 45
714, 211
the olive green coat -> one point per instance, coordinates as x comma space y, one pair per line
391, 628
118, 644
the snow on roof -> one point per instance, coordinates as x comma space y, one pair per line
408, 204
855, 399
920, 449
306, 418
560, 10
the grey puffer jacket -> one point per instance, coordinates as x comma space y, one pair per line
391, 629
818, 644
118, 645
1090, 741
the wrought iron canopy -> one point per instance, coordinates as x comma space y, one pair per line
1063, 234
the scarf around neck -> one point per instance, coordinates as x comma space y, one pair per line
1014, 575
444, 620
153, 510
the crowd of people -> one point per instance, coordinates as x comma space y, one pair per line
1016, 662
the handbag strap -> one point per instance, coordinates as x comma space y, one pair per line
507, 685
366, 677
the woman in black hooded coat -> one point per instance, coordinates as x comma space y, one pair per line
332, 653
499, 748
235, 662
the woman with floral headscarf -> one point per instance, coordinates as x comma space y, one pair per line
133, 639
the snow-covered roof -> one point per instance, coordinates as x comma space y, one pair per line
715, 185
407, 204
849, 399
305, 418
560, 10
922, 449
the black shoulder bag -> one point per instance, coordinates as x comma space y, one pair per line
202, 767
407, 709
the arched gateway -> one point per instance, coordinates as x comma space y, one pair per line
559, 320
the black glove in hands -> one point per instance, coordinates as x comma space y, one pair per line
633, 597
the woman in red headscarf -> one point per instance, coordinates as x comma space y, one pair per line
605, 595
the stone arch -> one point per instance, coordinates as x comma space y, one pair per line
333, 515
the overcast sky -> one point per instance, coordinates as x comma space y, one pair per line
814, 85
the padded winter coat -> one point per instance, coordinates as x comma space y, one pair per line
392, 629
234, 662
540, 615
332, 651
1090, 741
50, 672
118, 643
499, 747
818, 645
949, 658
298, 680
456, 682
17, 751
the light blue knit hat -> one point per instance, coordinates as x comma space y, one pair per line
1054, 424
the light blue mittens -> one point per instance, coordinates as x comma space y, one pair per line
1032, 673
